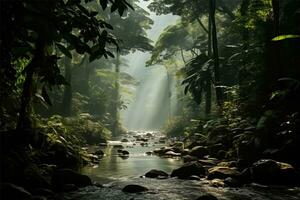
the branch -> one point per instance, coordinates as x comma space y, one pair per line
182, 56
202, 25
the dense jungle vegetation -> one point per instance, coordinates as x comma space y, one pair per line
235, 65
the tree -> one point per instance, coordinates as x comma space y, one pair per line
212, 10
66, 25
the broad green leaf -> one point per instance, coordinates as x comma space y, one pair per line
284, 37
64, 50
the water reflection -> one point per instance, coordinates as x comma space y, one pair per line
113, 166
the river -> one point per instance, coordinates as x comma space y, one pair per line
114, 172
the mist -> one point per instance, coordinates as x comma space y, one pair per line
149, 104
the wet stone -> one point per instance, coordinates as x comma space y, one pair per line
134, 189
207, 197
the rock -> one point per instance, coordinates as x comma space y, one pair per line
199, 151
144, 144
189, 158
148, 153
124, 140
207, 197
222, 172
228, 164
194, 177
194, 144
119, 150
134, 188
102, 144
118, 146
124, 152
99, 152
188, 169
10, 191
178, 145
156, 173
185, 152
172, 154
217, 183
63, 177
273, 172
208, 162
233, 182
176, 149
246, 175
149, 135
162, 141
162, 151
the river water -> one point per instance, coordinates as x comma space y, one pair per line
114, 172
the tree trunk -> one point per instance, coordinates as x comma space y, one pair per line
116, 100
208, 84
212, 5
276, 16
67, 98
87, 70
24, 121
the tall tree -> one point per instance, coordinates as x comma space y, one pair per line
212, 10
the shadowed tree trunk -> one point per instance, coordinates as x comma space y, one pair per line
67, 98
208, 85
212, 9
24, 121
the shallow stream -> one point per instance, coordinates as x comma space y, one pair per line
114, 172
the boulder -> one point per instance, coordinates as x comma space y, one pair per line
120, 150
162, 151
124, 140
156, 173
208, 162
188, 169
11, 191
134, 188
99, 152
189, 158
207, 197
272, 172
177, 149
118, 146
172, 154
194, 177
63, 177
228, 164
199, 151
194, 144
185, 152
233, 182
148, 153
124, 152
222, 172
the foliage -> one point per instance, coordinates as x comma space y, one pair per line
197, 80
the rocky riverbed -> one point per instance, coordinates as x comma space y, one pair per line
122, 176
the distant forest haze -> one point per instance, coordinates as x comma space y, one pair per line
104, 90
